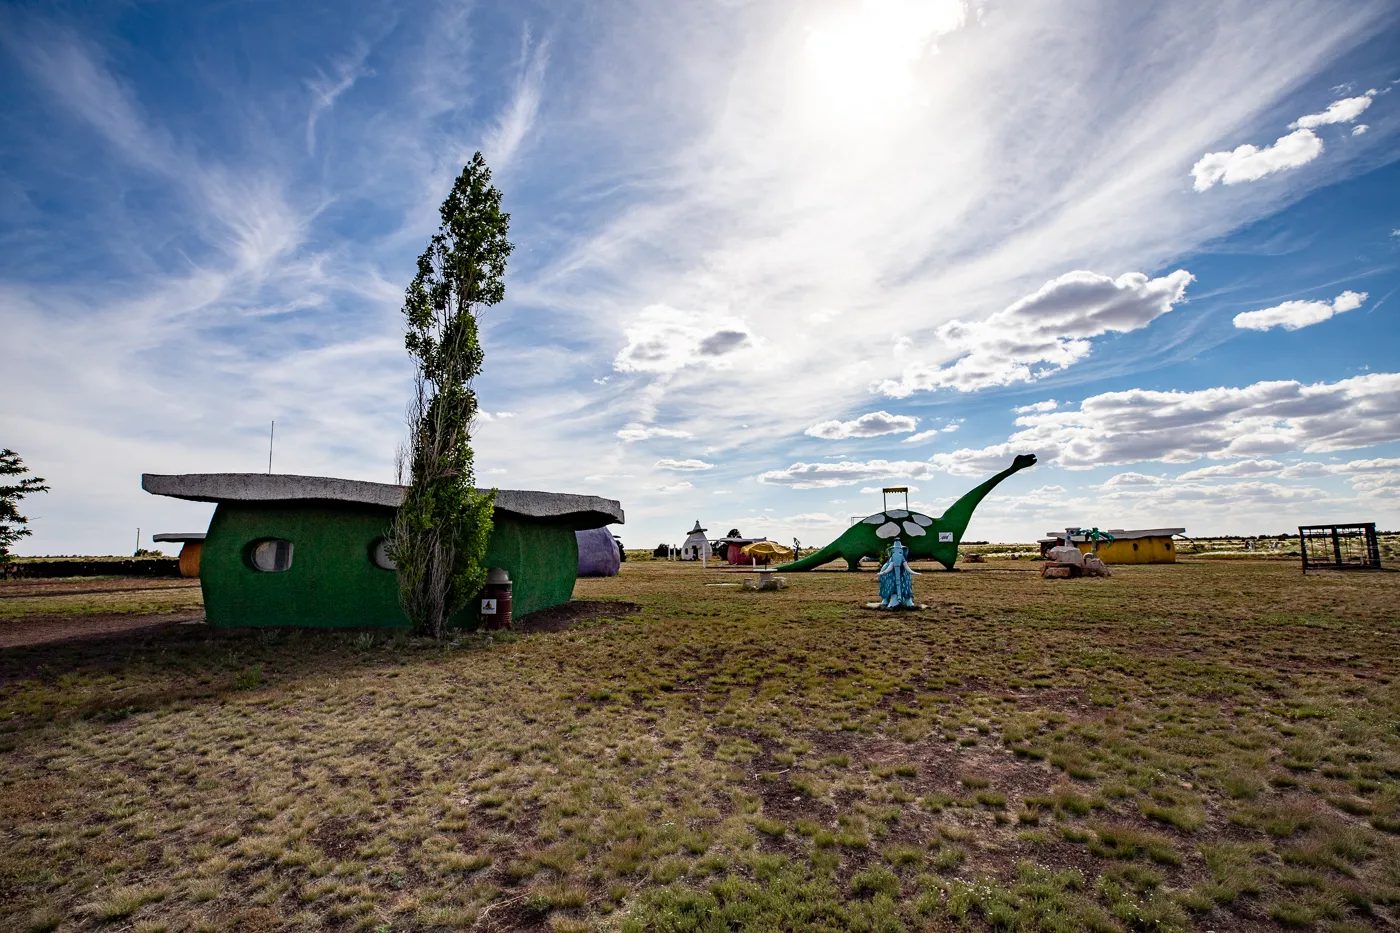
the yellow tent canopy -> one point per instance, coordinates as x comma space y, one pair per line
760, 550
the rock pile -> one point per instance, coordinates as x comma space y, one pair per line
1066, 562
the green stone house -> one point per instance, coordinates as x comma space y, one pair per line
310, 550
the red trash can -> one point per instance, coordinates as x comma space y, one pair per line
495, 600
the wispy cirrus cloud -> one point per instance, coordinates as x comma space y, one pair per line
327, 88
518, 118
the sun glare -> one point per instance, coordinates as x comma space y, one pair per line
860, 60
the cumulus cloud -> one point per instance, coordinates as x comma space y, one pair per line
684, 465
1250, 163
1238, 468
723, 341
642, 432
676, 487
1238, 496
1339, 111
1140, 425
1307, 469
1048, 330
495, 416
1374, 465
1292, 315
845, 473
664, 340
871, 425
921, 436
1048, 405
1162, 494
1359, 129
1131, 480
1372, 483
812, 519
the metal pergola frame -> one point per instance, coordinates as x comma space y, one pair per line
1351, 546
885, 500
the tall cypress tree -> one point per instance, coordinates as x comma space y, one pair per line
442, 527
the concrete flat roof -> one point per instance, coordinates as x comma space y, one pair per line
179, 536
579, 512
1120, 534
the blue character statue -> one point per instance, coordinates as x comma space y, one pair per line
897, 579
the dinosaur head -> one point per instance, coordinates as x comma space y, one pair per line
1023, 461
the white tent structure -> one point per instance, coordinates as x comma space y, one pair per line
696, 546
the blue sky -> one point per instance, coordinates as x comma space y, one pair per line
769, 256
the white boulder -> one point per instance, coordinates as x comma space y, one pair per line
1093, 567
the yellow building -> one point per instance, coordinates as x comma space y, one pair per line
192, 544
1143, 546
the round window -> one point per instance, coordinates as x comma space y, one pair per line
272, 555
380, 556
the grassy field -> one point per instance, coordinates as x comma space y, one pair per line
1210, 745
84, 596
1205, 548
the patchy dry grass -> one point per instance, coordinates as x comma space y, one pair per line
1206, 745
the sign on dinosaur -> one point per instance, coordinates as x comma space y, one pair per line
925, 538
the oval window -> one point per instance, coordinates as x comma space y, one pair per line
379, 555
272, 555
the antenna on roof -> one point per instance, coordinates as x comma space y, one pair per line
270, 433
884, 498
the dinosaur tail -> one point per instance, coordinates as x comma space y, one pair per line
812, 561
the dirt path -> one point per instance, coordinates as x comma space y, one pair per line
86, 586
43, 611
38, 630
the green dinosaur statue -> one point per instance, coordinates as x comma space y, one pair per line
926, 538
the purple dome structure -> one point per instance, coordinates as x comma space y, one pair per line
598, 554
